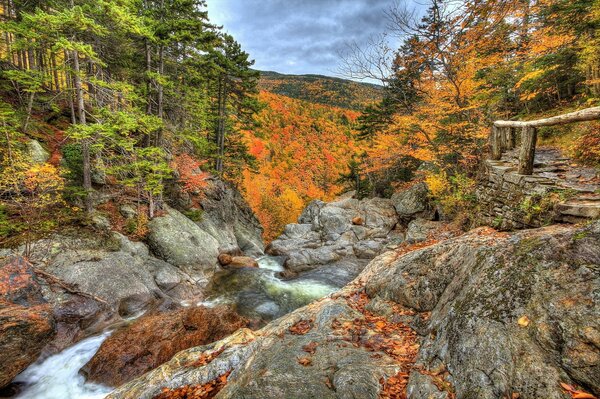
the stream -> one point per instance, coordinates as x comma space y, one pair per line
256, 293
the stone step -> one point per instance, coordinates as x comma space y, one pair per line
584, 208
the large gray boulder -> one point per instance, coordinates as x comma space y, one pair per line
37, 153
179, 241
414, 202
228, 218
119, 272
498, 315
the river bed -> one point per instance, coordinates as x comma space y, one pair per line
256, 293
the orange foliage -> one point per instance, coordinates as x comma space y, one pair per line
301, 149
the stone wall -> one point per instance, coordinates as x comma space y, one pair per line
511, 201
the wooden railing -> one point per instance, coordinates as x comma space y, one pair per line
504, 135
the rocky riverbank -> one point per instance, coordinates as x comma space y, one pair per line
484, 315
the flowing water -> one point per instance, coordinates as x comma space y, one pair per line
256, 293
57, 377
261, 294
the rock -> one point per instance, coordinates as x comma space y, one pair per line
127, 211
153, 339
243, 261
358, 221
26, 321
224, 259
478, 287
421, 229
467, 297
330, 232
37, 153
367, 249
228, 218
177, 240
100, 222
113, 269
98, 173
414, 202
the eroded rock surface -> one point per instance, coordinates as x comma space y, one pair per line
153, 339
26, 321
498, 315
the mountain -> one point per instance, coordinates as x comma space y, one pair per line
321, 89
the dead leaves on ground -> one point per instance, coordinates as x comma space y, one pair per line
576, 394
206, 358
301, 327
205, 391
378, 334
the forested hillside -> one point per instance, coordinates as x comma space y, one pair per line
130, 96
322, 89
301, 149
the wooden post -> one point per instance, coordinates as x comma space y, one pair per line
496, 143
527, 155
512, 137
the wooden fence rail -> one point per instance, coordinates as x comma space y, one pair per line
504, 135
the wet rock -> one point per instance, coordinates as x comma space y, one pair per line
26, 321
243, 261
153, 339
414, 202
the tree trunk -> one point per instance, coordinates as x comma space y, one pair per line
85, 143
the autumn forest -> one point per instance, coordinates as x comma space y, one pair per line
146, 120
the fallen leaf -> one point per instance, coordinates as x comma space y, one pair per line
305, 361
524, 321
582, 395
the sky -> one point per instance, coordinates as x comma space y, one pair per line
299, 36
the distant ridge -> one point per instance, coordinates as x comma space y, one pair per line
322, 89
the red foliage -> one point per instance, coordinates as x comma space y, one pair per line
190, 173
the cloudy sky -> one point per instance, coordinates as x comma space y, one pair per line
299, 36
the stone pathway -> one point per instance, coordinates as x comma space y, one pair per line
554, 171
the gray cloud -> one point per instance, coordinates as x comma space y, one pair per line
299, 36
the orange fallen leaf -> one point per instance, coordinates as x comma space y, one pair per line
305, 361
524, 321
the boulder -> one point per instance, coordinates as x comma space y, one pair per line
37, 153
26, 320
177, 240
153, 339
421, 230
414, 202
114, 270
243, 261
228, 218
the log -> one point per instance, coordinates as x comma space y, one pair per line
588, 114
527, 155
496, 143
